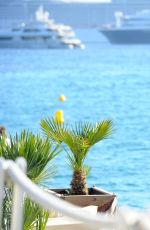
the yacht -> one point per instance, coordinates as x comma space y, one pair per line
65, 32
31, 36
129, 29
39, 34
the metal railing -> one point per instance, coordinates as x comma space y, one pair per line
14, 172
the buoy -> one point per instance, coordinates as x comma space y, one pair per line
59, 117
61, 98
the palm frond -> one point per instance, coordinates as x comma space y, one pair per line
81, 129
46, 174
38, 153
52, 129
35, 217
72, 141
101, 131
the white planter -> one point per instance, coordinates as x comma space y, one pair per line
66, 223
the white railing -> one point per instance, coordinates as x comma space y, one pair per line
14, 172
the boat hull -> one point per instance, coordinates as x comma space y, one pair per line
116, 36
17, 43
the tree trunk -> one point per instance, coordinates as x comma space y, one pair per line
78, 183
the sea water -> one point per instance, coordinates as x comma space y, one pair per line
101, 82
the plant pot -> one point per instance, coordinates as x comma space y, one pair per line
104, 200
98, 200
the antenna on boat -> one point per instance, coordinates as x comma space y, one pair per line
42, 15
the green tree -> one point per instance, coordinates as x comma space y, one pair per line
79, 138
39, 154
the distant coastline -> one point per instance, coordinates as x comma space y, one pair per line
75, 14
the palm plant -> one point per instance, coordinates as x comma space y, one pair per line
79, 139
38, 153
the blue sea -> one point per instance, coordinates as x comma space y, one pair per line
103, 81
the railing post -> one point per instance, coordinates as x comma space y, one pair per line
2, 179
17, 208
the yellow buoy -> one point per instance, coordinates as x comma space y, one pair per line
59, 117
61, 98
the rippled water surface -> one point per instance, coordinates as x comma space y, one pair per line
103, 81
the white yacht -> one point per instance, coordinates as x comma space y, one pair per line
39, 34
65, 32
31, 36
129, 29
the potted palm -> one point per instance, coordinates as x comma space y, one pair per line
79, 139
